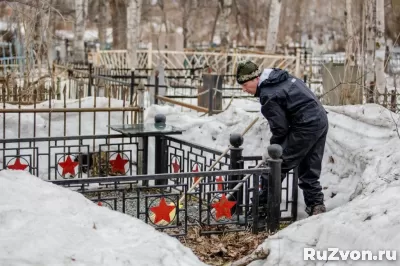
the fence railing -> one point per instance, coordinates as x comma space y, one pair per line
195, 178
61, 106
160, 205
71, 157
219, 63
183, 156
201, 92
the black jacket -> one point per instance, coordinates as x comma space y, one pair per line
288, 105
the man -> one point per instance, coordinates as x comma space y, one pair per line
298, 123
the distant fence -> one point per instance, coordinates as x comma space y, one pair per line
190, 90
61, 107
216, 63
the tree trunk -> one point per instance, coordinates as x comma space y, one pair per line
102, 23
161, 4
380, 46
133, 19
224, 33
79, 29
350, 53
273, 26
214, 27
370, 49
119, 24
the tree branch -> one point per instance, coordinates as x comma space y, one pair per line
22, 2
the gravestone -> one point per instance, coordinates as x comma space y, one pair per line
347, 93
209, 83
161, 82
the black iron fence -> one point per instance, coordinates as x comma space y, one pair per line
171, 208
192, 88
74, 157
198, 182
183, 156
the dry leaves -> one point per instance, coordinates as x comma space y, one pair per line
219, 249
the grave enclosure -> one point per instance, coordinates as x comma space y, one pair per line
110, 163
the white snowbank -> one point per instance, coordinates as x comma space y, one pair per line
56, 120
370, 222
214, 131
359, 173
45, 224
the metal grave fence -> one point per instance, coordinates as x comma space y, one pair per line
106, 169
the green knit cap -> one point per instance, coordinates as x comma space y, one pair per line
246, 71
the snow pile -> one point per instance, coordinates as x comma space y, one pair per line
44, 224
56, 120
370, 222
359, 176
213, 132
360, 179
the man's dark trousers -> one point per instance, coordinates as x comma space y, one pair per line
305, 149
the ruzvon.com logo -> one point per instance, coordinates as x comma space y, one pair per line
336, 254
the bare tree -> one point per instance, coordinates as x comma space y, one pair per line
370, 45
273, 25
102, 23
350, 53
161, 4
119, 23
380, 47
81, 7
133, 19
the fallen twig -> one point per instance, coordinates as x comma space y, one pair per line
258, 254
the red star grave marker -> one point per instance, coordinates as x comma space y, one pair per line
68, 166
223, 207
118, 164
162, 211
17, 165
175, 166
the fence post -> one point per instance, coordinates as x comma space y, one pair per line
236, 162
132, 87
142, 142
295, 191
305, 67
156, 88
298, 58
210, 101
90, 80
161, 151
274, 188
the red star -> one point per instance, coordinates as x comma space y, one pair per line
196, 169
175, 166
118, 164
17, 165
223, 207
219, 186
68, 166
162, 211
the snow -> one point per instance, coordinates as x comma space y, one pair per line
89, 35
45, 224
359, 176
